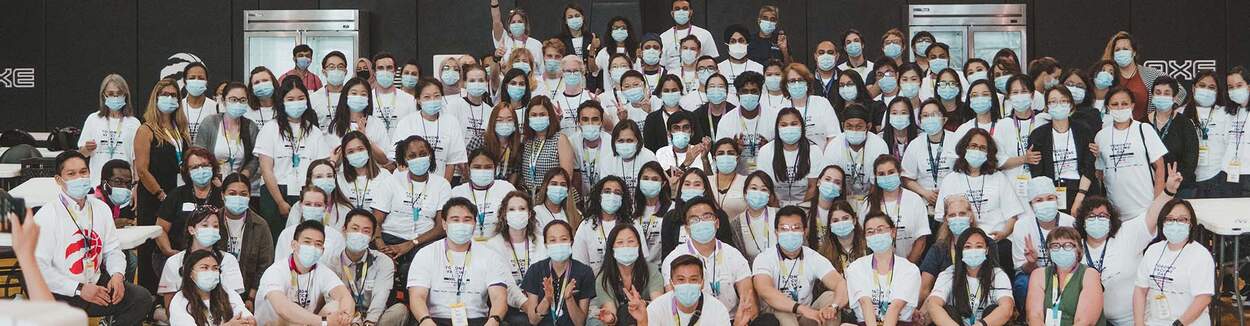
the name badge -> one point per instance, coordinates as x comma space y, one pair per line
1159, 307
1022, 185
1233, 171
1202, 154
459, 314
1053, 317
1062, 191
187, 207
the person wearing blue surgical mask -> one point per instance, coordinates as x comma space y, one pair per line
883, 91
325, 100
558, 288
716, 90
773, 97
959, 219
550, 68
1114, 247
362, 179
1082, 90
1178, 133
552, 202
655, 128
948, 89
874, 300
589, 142
976, 175
1044, 74
940, 59
673, 39
160, 149
974, 290
1188, 295
688, 69
689, 186
442, 129
116, 189
302, 55
925, 162
409, 75
608, 205
685, 148
353, 113
791, 298
627, 154
486, 194
1012, 133
981, 112
1063, 146
1059, 294
576, 36
727, 277
724, 163
247, 234
107, 133
511, 32
474, 106
196, 100
653, 201
706, 68
976, 69
478, 271
853, 46
389, 103
573, 94
619, 39
1122, 49
854, 151
203, 232
894, 46
851, 89
753, 222
545, 147
1028, 250
305, 249
1001, 72
905, 208
770, 41
900, 127
649, 61
206, 292
815, 110
448, 73
1212, 120
791, 159
198, 173
520, 240
826, 59
1103, 75
920, 44
230, 136
286, 149
611, 287
829, 191
411, 201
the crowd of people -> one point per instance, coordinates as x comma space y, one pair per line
624, 178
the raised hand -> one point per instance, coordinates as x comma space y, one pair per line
1032, 156
1174, 178
637, 307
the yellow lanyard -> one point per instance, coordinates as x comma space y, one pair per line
884, 305
360, 195
464, 268
751, 230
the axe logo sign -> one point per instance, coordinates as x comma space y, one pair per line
17, 77
1184, 69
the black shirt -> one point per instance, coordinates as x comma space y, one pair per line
762, 49
532, 283
177, 208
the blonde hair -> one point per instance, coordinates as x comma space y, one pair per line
152, 115
554, 44
516, 54
944, 235
800, 69
1108, 53
121, 84
770, 8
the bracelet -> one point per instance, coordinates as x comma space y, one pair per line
795, 309
423, 319
1081, 191
1169, 193
494, 5
497, 319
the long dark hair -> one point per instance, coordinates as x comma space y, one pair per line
1191, 105
218, 303
876, 195
959, 280
570, 202
244, 136
991, 153
829, 246
631, 41
309, 118
624, 215
664, 199
964, 111
199, 215
612, 276
887, 131
707, 185
861, 91
779, 155
342, 120
506, 100
349, 172
815, 200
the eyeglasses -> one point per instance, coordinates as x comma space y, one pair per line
120, 183
877, 230
1064, 246
709, 217
789, 227
948, 83
1178, 219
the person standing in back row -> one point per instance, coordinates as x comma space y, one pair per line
682, 27
302, 55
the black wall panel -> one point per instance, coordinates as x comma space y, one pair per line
454, 27
287, 5
1055, 34
723, 13
23, 34
828, 20
87, 40
1181, 33
393, 23
1237, 33
197, 28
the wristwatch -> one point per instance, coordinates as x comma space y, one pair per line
497, 319
78, 290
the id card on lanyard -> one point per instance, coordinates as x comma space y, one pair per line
1054, 314
460, 313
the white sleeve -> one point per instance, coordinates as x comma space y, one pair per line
1017, 245
1002, 286
909, 289
820, 265
382, 201
327, 281
231, 275
88, 131
911, 165
47, 252
764, 264
1203, 274
581, 251
237, 305
817, 156
265, 141
1153, 144
272, 280
942, 286
1142, 280
170, 279
456, 147
178, 315
738, 265
1010, 204
381, 288
422, 275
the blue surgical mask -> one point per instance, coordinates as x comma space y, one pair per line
557, 194
207, 280
482, 177
167, 104
538, 124
829, 190
461, 233
505, 129
516, 92
303, 62
1045, 211
888, 182
670, 99
356, 241
726, 164
1123, 58
825, 61
475, 88
909, 90
717, 95
848, 92
523, 66
307, 255
749, 102
855, 137
235, 204
559, 252
201, 176
892, 50
937, 65
235, 110
517, 29
688, 293
617, 73
690, 194
931, 125
980, 75
264, 89
880, 242
1000, 83
385, 78
703, 74
336, 77
975, 157
1097, 228
1161, 103
294, 109
115, 103
591, 132
196, 87
312, 213
625, 255
767, 27
1103, 80
855, 49
574, 23
680, 139
1176, 232
358, 159
419, 165
922, 47
1063, 258
773, 83
948, 92
1239, 95
551, 65
973, 257
627, 150
1021, 102
1078, 94
357, 103
1050, 83
887, 84
703, 231
635, 95
842, 229
958, 225
432, 107
120, 196
449, 77
980, 104
900, 121
681, 17
651, 56
790, 134
1202, 96
206, 237
610, 203
649, 188
797, 89
757, 199
1060, 111
572, 79
790, 241
620, 35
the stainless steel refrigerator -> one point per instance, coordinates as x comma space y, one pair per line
270, 35
973, 30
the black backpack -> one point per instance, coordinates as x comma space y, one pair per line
64, 139
14, 137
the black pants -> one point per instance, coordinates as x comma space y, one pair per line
135, 305
447, 321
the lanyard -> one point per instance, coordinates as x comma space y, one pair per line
798, 262
677, 315
1063, 154
898, 207
716, 260
299, 300
646, 226
115, 137
542, 145
516, 260
1043, 236
754, 139
83, 230
230, 146
413, 197
1022, 138
361, 195
295, 145
1056, 293
385, 111
464, 268
1162, 279
1167, 126
175, 139
934, 161
357, 284
481, 215
977, 202
751, 230
1203, 128
563, 280
1117, 158
1102, 258
884, 303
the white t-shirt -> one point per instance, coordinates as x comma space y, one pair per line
1213, 137
195, 115
261, 116
732, 70
902, 283
992, 198
393, 107
757, 231
927, 162
325, 104
793, 277
1179, 276
822, 121
669, 158
1027, 229
364, 192
1118, 258
488, 204
590, 242
472, 272
790, 192
544, 215
229, 153
858, 165
519, 255
534, 46
614, 101
660, 312
671, 42
375, 130
234, 227
732, 125
567, 107
179, 315
944, 288
650, 224
911, 219
62, 258
1063, 154
291, 157
332, 247
1126, 168
309, 290
171, 279
398, 204
1004, 132
335, 216
445, 134
732, 201
777, 102
472, 117
721, 270
1236, 139
587, 159
626, 169
113, 138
